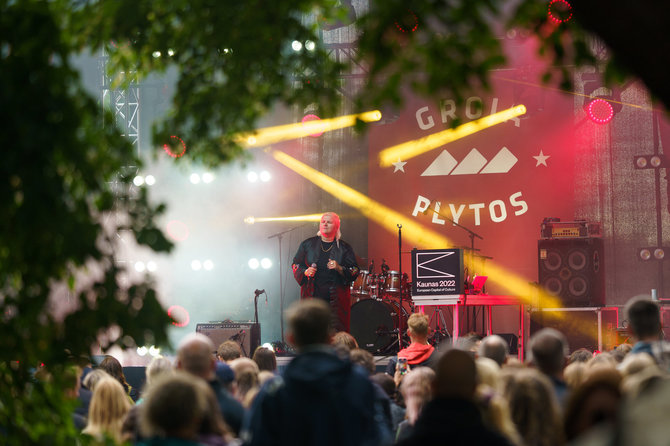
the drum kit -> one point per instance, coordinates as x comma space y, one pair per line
375, 305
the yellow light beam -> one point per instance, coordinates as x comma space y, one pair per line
416, 147
311, 217
414, 232
270, 135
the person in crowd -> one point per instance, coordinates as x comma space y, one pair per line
266, 359
112, 366
174, 410
320, 398
363, 358
387, 384
194, 355
324, 266
109, 406
228, 351
452, 416
416, 389
574, 374
644, 319
533, 406
620, 352
549, 350
344, 339
494, 347
595, 402
580, 355
246, 380
419, 352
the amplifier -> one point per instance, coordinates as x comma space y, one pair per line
553, 228
246, 334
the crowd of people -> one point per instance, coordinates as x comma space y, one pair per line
331, 393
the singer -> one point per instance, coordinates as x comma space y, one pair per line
324, 267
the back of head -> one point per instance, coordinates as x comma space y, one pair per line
644, 318
494, 347
344, 339
265, 359
157, 366
112, 366
549, 348
488, 372
363, 358
108, 408
309, 322
418, 324
93, 377
580, 355
455, 375
229, 350
385, 382
174, 406
194, 355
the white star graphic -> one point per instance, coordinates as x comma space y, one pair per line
541, 159
399, 165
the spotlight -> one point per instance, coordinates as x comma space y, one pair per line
252, 177
312, 117
600, 111
195, 178
142, 351
208, 265
265, 176
645, 254
151, 266
249, 220
207, 177
310, 45
140, 267
196, 265
150, 180
170, 52
559, 11
268, 346
180, 315
138, 180
641, 162
659, 253
297, 46
156, 54
266, 263
649, 161
154, 351
655, 161
254, 263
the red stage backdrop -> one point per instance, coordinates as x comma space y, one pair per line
500, 182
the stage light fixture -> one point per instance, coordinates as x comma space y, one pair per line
254, 263
150, 180
600, 111
138, 180
559, 11
271, 135
410, 149
266, 263
180, 315
142, 351
170, 52
415, 233
156, 54
652, 253
296, 45
310, 45
252, 177
207, 177
154, 351
174, 139
194, 178
208, 265
196, 265
265, 176
312, 117
268, 346
250, 220
140, 267
152, 266
650, 162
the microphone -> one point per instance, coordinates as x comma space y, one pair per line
236, 337
257, 292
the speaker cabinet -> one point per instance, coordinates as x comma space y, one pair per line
580, 326
573, 270
247, 335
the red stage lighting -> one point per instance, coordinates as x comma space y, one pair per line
180, 315
559, 11
409, 23
312, 117
600, 111
175, 140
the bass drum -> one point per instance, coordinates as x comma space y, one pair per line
374, 325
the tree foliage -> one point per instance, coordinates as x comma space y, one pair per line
63, 194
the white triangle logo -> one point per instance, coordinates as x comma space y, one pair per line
471, 164
442, 165
501, 163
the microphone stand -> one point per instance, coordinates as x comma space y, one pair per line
279, 236
400, 286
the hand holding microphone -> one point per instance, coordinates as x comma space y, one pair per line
309, 272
